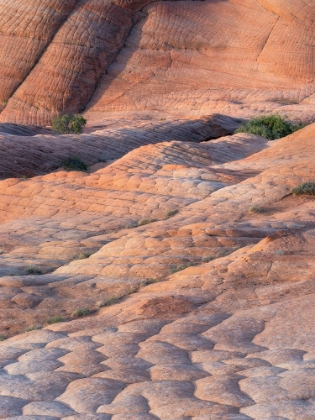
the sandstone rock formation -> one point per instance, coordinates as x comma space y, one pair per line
175, 278
213, 303
40, 151
179, 57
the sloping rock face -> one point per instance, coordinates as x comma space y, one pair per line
183, 57
199, 266
174, 279
40, 151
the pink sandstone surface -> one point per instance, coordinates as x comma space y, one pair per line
174, 57
184, 241
213, 304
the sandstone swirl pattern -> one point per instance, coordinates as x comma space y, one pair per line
225, 333
195, 57
194, 257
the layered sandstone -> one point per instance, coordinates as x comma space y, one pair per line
183, 245
179, 57
213, 316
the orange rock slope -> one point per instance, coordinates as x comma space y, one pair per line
197, 57
175, 278
197, 266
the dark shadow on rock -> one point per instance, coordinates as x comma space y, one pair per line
26, 155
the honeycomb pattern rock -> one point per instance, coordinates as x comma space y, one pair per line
200, 307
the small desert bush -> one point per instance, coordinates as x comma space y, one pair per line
34, 270
74, 164
2, 338
308, 188
207, 259
82, 256
146, 222
255, 209
107, 302
80, 312
68, 123
147, 282
33, 328
171, 213
54, 320
269, 126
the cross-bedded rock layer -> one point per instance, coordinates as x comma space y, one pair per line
183, 57
194, 259
210, 260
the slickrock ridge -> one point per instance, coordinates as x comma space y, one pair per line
216, 303
40, 151
179, 57
175, 278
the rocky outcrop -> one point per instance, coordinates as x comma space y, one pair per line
179, 58
40, 151
173, 279
196, 263
62, 74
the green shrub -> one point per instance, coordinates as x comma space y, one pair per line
80, 312
33, 328
74, 164
2, 338
255, 209
269, 126
54, 320
180, 267
147, 282
107, 302
82, 256
308, 188
171, 213
207, 259
68, 123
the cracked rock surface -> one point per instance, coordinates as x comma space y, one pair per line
172, 57
174, 279
212, 310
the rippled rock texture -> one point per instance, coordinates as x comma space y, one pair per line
197, 266
174, 279
187, 57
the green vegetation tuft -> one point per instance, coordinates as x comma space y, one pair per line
69, 123
80, 312
171, 213
74, 164
33, 328
147, 282
82, 256
180, 267
308, 188
271, 127
2, 338
207, 259
54, 320
255, 209
107, 302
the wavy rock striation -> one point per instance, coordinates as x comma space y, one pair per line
195, 57
203, 307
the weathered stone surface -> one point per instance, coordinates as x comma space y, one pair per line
40, 151
194, 259
228, 331
157, 57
